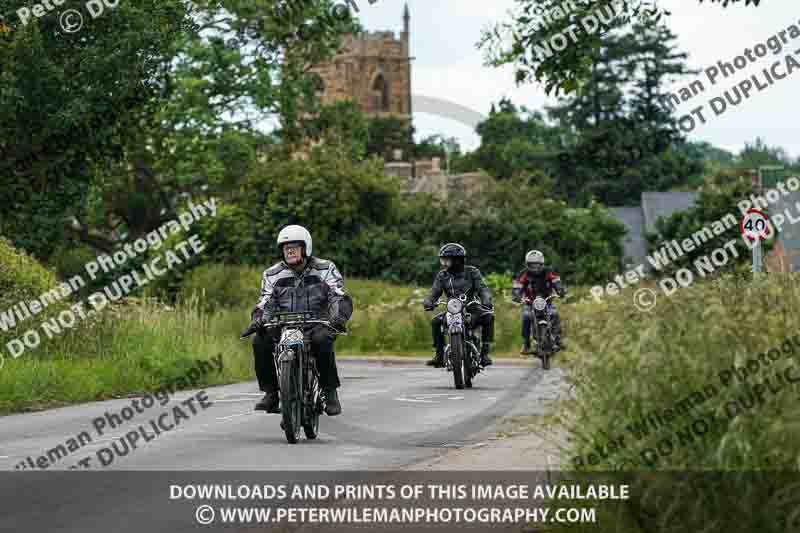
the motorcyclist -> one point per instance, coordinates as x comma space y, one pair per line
300, 283
536, 280
456, 279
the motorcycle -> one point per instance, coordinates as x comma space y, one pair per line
301, 396
543, 329
461, 354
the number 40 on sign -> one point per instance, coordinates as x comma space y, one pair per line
755, 225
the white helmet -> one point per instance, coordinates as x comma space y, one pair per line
534, 256
295, 233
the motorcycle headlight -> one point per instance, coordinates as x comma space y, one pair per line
455, 306
539, 304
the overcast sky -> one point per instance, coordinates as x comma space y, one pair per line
448, 64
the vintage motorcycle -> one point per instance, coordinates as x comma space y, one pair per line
461, 354
543, 329
301, 396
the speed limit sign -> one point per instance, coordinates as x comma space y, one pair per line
755, 225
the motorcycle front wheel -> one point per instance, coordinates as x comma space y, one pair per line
546, 349
457, 358
291, 400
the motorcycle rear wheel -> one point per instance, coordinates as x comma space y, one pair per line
313, 408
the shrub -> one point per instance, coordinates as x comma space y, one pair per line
218, 286
22, 279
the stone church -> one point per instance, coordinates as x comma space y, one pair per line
374, 70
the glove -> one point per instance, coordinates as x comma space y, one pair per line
489, 306
339, 323
257, 315
427, 305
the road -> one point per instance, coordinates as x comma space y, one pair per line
393, 415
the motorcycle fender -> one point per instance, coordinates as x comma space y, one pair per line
543, 322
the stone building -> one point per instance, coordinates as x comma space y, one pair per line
372, 69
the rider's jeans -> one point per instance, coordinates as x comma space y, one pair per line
527, 317
321, 345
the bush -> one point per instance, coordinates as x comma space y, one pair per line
218, 286
359, 220
22, 279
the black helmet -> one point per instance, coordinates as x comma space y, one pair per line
452, 249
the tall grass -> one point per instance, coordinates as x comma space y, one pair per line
135, 349
625, 364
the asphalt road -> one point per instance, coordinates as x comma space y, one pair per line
393, 416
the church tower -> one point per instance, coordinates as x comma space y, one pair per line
374, 70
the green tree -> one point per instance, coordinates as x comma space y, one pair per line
626, 142
387, 134
516, 141
66, 100
244, 65
523, 42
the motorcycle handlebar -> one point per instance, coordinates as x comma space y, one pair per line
444, 302
255, 327
528, 300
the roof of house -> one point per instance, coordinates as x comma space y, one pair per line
634, 245
664, 204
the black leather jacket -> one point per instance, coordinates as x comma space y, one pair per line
467, 281
319, 288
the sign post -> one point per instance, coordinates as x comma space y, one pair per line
755, 226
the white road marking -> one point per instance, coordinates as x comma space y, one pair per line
455, 398
413, 400
234, 416
4, 456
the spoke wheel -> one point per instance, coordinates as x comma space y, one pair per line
312, 408
457, 359
291, 400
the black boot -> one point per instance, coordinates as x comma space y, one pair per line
438, 359
332, 405
269, 403
485, 359
526, 347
